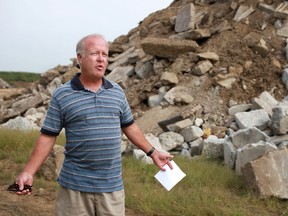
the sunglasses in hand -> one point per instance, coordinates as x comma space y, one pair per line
15, 187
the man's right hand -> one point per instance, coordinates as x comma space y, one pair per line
25, 178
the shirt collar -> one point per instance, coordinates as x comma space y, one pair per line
77, 85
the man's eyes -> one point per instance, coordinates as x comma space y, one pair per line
96, 53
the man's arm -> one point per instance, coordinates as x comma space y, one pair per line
136, 136
42, 148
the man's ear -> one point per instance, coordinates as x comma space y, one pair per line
79, 58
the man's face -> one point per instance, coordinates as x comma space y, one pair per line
94, 60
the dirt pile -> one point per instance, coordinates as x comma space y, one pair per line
235, 45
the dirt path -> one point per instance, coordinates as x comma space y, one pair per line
40, 203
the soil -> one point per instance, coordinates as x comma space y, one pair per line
260, 73
40, 203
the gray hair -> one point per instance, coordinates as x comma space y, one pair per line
80, 48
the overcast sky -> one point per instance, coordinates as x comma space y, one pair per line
37, 35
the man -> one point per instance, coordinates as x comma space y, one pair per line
93, 112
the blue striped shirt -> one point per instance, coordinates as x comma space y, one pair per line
92, 123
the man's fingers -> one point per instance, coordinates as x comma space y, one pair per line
24, 192
162, 168
170, 164
20, 184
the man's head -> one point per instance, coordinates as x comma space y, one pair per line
80, 47
92, 55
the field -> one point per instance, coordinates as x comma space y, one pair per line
24, 77
18, 82
209, 187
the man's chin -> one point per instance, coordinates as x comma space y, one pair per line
99, 73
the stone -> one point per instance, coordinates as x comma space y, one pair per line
251, 152
256, 118
268, 174
186, 18
167, 48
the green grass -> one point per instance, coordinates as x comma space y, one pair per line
15, 149
12, 77
209, 188
17, 145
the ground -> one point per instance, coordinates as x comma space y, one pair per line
40, 204
36, 204
263, 74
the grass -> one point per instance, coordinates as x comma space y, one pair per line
209, 188
16, 145
12, 77
15, 149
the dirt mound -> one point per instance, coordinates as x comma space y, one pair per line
235, 47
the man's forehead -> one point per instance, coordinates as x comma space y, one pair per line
96, 42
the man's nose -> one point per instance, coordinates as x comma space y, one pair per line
100, 58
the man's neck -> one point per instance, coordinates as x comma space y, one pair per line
91, 84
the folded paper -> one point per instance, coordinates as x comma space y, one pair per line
170, 177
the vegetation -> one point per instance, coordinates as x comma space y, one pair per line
15, 149
209, 188
12, 77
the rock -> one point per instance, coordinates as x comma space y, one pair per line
213, 148
167, 48
196, 147
191, 133
52, 166
242, 12
251, 152
120, 75
248, 136
21, 123
285, 77
239, 108
202, 67
170, 140
268, 174
279, 119
178, 94
256, 118
169, 79
186, 18
180, 125
211, 56
265, 101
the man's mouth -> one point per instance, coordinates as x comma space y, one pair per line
100, 67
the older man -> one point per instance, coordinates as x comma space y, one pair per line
94, 113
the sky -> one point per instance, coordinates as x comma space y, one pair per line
38, 35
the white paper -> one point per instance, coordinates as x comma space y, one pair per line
170, 178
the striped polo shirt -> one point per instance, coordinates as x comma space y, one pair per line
92, 123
